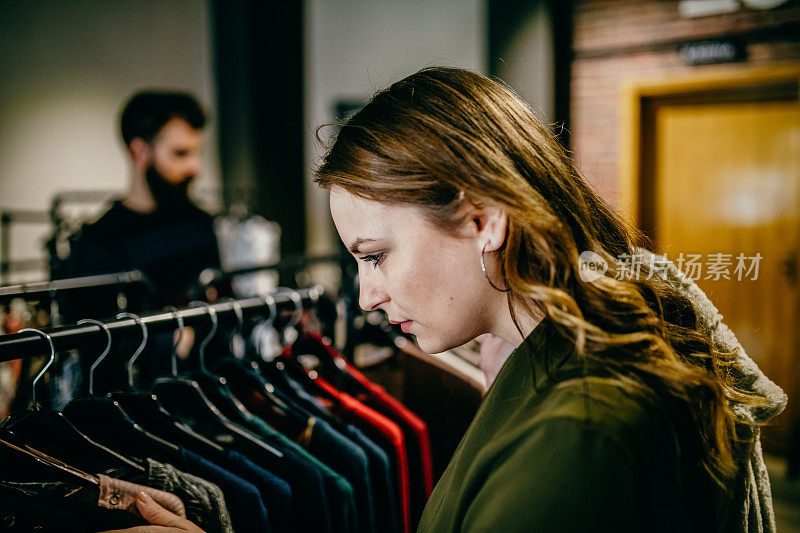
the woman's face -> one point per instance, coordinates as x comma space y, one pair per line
419, 275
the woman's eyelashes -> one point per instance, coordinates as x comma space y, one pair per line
375, 259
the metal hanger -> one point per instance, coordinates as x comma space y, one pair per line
46, 367
139, 349
52, 433
237, 333
201, 351
288, 367
146, 410
214, 386
273, 309
184, 398
246, 378
174, 356
333, 368
102, 355
286, 338
103, 419
289, 374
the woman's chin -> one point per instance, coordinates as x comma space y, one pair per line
433, 345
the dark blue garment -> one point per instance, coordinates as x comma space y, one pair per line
387, 512
349, 460
309, 511
241, 497
275, 492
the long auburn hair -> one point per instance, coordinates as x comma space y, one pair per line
445, 136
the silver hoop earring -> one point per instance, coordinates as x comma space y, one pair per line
486, 274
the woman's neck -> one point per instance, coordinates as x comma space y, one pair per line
506, 329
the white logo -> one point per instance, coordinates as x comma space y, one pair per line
591, 266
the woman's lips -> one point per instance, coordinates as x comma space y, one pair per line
404, 325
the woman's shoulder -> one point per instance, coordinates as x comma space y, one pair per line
570, 462
589, 449
603, 405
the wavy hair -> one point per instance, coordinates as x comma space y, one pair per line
445, 136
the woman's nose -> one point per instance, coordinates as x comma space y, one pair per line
370, 294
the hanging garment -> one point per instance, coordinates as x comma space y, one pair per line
418, 444
204, 502
242, 498
382, 431
121, 495
275, 492
78, 501
21, 511
339, 492
415, 431
346, 458
387, 512
246, 242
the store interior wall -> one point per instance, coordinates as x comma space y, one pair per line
356, 47
521, 50
67, 68
268, 77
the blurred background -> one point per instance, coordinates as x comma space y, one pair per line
683, 114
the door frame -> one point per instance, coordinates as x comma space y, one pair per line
706, 79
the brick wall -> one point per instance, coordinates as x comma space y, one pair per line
619, 40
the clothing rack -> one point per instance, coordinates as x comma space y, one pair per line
348, 289
49, 289
29, 344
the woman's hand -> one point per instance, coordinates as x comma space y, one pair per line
162, 521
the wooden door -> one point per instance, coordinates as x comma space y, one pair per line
720, 193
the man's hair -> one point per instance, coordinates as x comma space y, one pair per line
148, 111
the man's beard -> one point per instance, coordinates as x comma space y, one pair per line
168, 196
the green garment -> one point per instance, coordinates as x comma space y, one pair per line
578, 455
342, 500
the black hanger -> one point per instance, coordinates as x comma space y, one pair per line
286, 372
328, 367
262, 397
184, 398
276, 393
216, 387
51, 432
103, 419
23, 463
148, 413
303, 396
290, 374
146, 410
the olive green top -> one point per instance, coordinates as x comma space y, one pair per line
573, 454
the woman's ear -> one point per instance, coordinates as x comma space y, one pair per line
490, 224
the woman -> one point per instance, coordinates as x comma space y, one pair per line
615, 411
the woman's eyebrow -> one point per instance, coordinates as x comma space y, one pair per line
358, 242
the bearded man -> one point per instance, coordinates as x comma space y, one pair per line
155, 228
